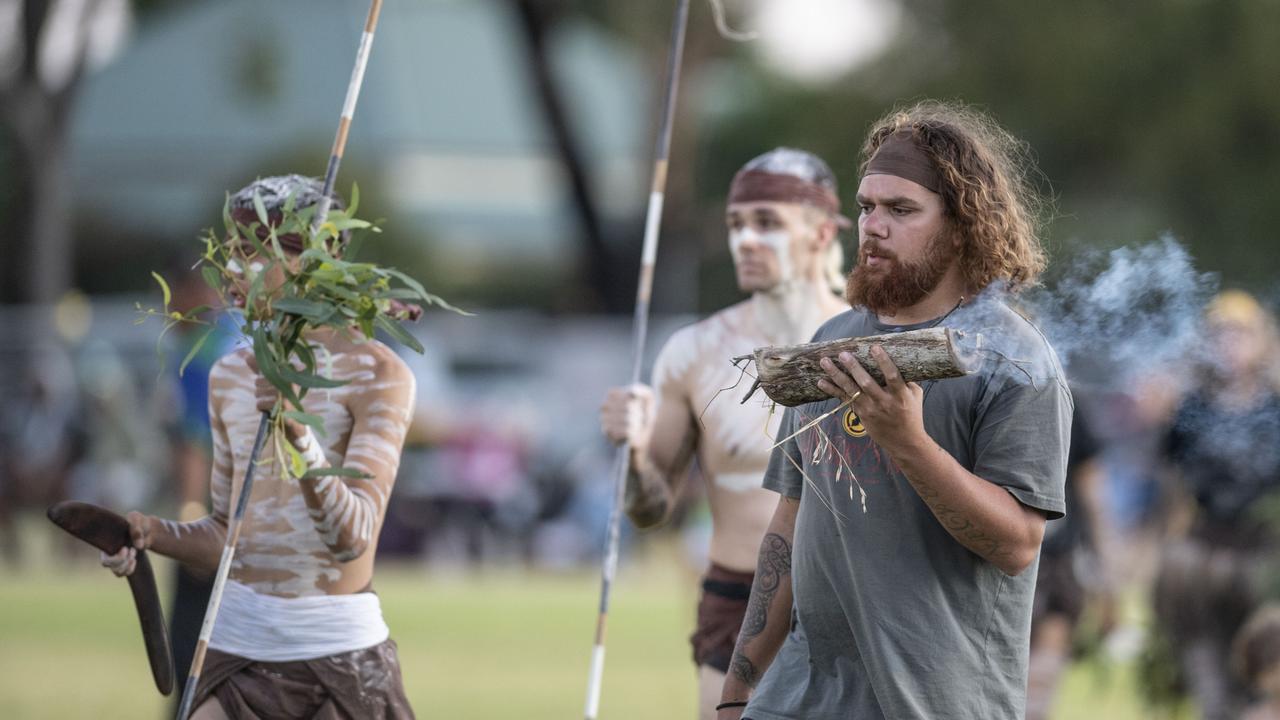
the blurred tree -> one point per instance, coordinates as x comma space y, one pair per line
687, 223
46, 46
1147, 116
536, 19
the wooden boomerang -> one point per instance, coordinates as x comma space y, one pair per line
109, 532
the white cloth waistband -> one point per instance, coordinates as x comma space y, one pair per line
275, 629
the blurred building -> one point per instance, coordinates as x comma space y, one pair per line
448, 129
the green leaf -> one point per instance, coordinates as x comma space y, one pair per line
355, 199
340, 472
270, 368
317, 255
212, 277
195, 349
250, 234
399, 294
352, 249
309, 309
228, 224
307, 356
164, 288
422, 292
297, 466
315, 422
308, 380
255, 292
397, 331
261, 209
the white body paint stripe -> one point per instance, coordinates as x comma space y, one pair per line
739, 482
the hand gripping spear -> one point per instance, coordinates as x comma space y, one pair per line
234, 524
640, 329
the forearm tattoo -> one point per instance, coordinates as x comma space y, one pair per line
962, 528
743, 669
648, 499
772, 570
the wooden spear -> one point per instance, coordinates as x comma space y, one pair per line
237, 517
640, 326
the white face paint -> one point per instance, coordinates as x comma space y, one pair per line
777, 240
255, 267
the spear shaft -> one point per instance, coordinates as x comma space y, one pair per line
237, 518
640, 327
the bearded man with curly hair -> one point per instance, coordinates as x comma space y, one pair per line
915, 600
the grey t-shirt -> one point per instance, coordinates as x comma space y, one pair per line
894, 618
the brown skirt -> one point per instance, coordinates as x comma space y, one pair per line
720, 611
359, 685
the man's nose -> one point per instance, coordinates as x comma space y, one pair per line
874, 224
746, 238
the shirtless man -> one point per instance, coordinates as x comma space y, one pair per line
299, 633
783, 217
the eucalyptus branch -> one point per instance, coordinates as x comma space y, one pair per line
316, 289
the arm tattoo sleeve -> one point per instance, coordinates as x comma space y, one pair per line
772, 570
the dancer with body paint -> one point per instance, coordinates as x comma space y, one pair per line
915, 603
300, 632
783, 217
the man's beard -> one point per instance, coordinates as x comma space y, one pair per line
901, 284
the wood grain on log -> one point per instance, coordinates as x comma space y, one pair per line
789, 374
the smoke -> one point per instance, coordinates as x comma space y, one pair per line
1113, 317
1124, 314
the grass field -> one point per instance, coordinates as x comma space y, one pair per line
486, 644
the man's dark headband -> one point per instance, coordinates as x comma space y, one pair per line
761, 186
899, 155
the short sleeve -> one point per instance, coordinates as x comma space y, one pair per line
783, 476
1021, 441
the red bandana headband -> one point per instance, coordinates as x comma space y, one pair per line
761, 186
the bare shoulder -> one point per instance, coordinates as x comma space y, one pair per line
385, 363
737, 318
692, 345
231, 364
382, 380
230, 371
710, 330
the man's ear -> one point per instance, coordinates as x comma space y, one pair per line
826, 234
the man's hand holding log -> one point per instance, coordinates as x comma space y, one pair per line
893, 413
